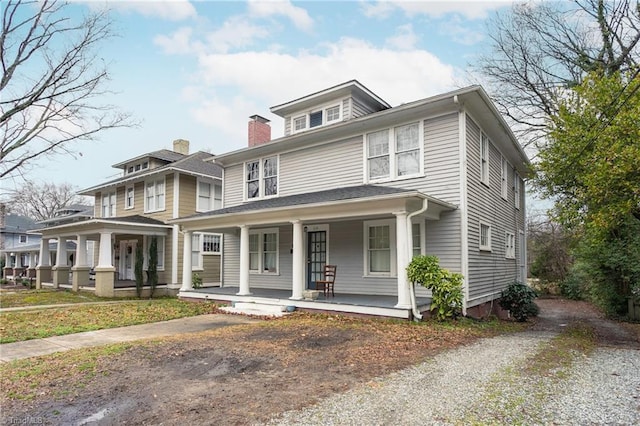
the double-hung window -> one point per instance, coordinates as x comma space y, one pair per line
484, 159
394, 153
129, 197
261, 178
154, 195
209, 196
321, 117
109, 204
160, 248
379, 248
504, 170
516, 190
416, 238
22, 239
509, 245
263, 251
485, 236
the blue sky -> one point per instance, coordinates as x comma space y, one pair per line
197, 70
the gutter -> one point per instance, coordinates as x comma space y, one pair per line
412, 290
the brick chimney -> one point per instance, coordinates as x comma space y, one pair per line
259, 130
181, 146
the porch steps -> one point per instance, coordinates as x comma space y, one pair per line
259, 309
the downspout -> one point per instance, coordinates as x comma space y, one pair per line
412, 291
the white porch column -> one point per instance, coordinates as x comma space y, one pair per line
81, 251
175, 234
298, 261
18, 260
244, 261
105, 255
32, 260
402, 259
61, 254
80, 269
45, 256
43, 270
187, 283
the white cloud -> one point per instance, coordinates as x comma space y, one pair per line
404, 39
179, 42
235, 32
471, 9
456, 29
298, 16
172, 10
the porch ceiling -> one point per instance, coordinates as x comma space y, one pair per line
328, 206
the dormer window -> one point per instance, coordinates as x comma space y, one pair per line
130, 170
317, 118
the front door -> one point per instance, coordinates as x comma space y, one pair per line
316, 257
127, 260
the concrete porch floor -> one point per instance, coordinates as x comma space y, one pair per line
342, 302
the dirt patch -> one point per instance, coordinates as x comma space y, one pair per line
247, 374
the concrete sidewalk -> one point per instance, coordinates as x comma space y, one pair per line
30, 348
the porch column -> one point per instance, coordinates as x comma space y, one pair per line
7, 265
43, 270
298, 261
80, 269
17, 269
187, 267
402, 259
105, 271
31, 271
61, 268
244, 261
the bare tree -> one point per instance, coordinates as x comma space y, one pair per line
52, 84
539, 49
40, 201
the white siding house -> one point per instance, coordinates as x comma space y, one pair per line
360, 184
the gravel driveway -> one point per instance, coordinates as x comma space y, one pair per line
475, 385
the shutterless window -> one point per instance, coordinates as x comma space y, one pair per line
22, 239
516, 190
269, 252
210, 243
253, 179
416, 239
315, 119
379, 249
407, 149
485, 237
109, 205
204, 196
300, 123
196, 258
271, 176
504, 169
484, 159
262, 181
129, 200
393, 153
378, 154
263, 252
254, 252
333, 113
510, 246
154, 195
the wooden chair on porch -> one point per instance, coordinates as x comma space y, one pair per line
327, 283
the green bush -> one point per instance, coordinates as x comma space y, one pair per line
445, 286
576, 285
196, 280
518, 300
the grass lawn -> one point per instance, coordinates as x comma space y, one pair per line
46, 297
37, 324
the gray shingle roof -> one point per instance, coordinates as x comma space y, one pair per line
135, 219
338, 194
19, 224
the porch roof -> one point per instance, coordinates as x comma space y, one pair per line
135, 223
352, 201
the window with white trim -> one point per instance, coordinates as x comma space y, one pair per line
416, 238
395, 152
317, 118
109, 204
208, 197
509, 245
129, 197
379, 248
196, 252
504, 170
299, 123
22, 239
154, 195
160, 246
485, 236
203, 244
516, 190
484, 159
263, 251
261, 178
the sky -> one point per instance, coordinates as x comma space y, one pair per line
197, 70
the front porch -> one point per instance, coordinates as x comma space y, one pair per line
361, 304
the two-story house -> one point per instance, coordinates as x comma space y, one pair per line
131, 211
365, 186
16, 243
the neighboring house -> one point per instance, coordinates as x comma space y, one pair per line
15, 243
365, 186
130, 212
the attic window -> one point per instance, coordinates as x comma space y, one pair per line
315, 119
145, 164
137, 167
130, 170
300, 123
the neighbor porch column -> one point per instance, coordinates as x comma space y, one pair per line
244, 261
17, 268
31, 271
43, 270
61, 268
187, 279
105, 271
81, 268
7, 264
298, 260
402, 259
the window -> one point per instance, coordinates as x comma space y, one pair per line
300, 123
196, 257
516, 190
379, 248
160, 245
416, 238
263, 251
484, 159
154, 196
315, 119
262, 181
130, 170
333, 113
129, 198
109, 204
22, 239
137, 167
211, 243
160, 253
485, 237
145, 165
405, 160
504, 169
510, 245
201, 245
204, 200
